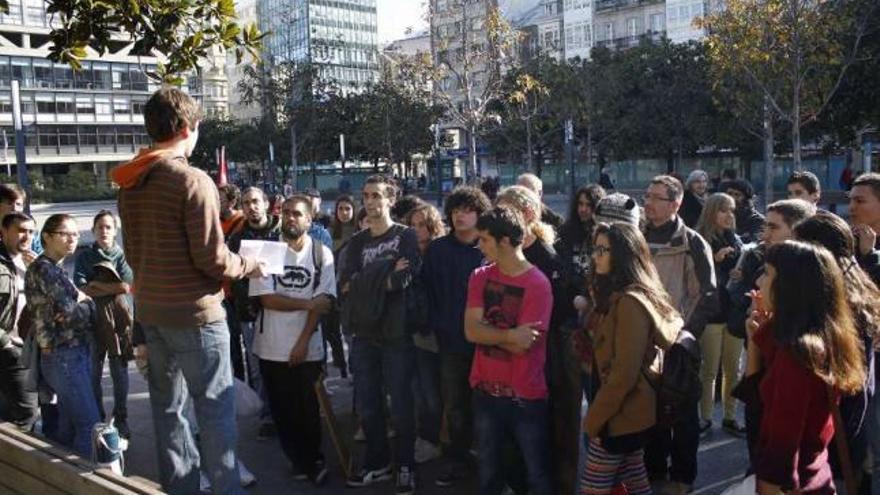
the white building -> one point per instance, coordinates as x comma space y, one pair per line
578, 25
88, 120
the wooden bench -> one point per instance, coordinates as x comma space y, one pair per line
30, 465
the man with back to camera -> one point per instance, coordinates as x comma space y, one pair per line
179, 258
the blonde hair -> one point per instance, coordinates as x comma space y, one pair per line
706, 225
529, 205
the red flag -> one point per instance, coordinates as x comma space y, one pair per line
221, 175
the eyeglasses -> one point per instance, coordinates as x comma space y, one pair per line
653, 197
601, 250
68, 235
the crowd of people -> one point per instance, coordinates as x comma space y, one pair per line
473, 336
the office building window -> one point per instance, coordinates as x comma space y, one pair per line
22, 70
43, 73
121, 105
5, 72
121, 79
631, 27
64, 104
106, 136
84, 78
657, 23
102, 105
609, 31
67, 135
138, 79
63, 76
45, 104
84, 105
101, 75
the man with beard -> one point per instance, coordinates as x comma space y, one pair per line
288, 340
259, 226
18, 232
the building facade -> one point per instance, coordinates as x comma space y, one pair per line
340, 37
85, 120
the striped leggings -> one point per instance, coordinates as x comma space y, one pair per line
604, 471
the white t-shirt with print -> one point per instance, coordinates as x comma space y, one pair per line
276, 332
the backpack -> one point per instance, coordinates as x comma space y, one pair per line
253, 308
678, 385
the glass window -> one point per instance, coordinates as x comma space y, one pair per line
88, 135
45, 104
5, 103
124, 136
14, 15
43, 73
84, 77
137, 105
101, 73
609, 31
47, 136
64, 104
631, 28
67, 135
5, 72
63, 76
138, 78
36, 15
27, 104
106, 136
84, 105
102, 105
22, 70
121, 105
121, 79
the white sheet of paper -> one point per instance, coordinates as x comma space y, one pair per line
271, 253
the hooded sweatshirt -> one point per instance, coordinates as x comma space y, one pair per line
173, 240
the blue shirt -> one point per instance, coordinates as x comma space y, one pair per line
319, 233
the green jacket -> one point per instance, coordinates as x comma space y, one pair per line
8, 296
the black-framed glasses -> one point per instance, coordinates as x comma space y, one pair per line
68, 235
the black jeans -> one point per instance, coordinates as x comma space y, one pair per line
564, 381
680, 443
455, 371
332, 333
21, 405
293, 403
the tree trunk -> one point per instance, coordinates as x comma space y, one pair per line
796, 129
768, 155
472, 149
530, 160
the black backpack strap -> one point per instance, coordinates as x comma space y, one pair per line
318, 262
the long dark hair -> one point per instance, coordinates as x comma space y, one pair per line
336, 226
811, 317
631, 270
832, 232
574, 230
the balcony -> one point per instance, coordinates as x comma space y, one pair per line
615, 5
625, 42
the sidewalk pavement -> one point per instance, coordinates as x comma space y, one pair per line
264, 457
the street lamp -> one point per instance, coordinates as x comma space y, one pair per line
438, 177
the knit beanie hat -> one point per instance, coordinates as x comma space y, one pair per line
697, 175
617, 207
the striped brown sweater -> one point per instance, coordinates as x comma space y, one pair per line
173, 241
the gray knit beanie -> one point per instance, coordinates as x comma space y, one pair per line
617, 207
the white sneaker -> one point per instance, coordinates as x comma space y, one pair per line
426, 451
246, 477
204, 483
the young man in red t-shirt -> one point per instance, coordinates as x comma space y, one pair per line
508, 311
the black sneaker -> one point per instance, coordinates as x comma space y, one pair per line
406, 481
705, 427
453, 474
733, 428
366, 477
319, 474
123, 429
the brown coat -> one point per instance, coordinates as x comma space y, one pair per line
174, 243
625, 344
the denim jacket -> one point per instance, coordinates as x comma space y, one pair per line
50, 293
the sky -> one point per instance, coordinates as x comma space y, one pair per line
395, 16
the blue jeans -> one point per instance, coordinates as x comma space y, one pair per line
496, 420
67, 369
255, 379
379, 366
119, 375
193, 361
426, 388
